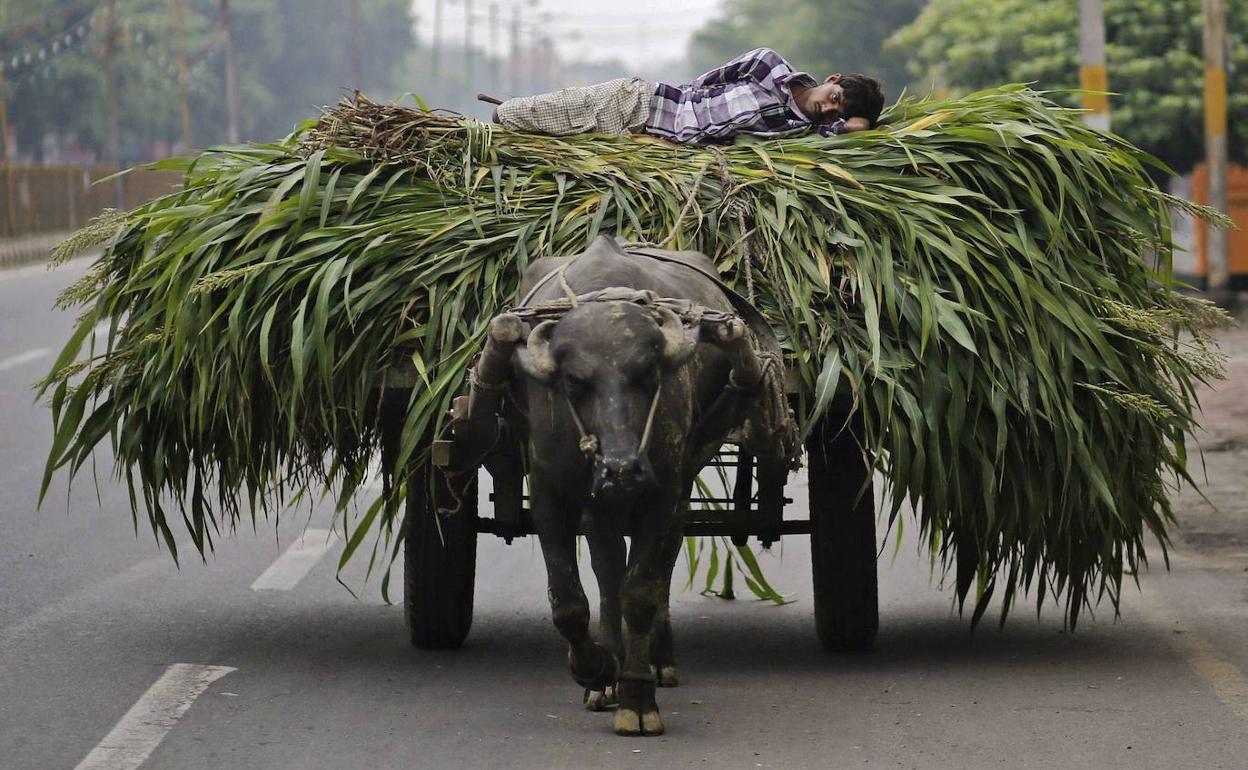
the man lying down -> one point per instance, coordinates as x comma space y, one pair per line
757, 93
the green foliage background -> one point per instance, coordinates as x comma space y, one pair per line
818, 36
1153, 52
291, 56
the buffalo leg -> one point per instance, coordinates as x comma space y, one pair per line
608, 557
662, 643
593, 666
645, 581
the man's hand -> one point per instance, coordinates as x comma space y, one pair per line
856, 124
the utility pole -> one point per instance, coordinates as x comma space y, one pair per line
468, 74
643, 41
552, 65
110, 88
540, 50
1092, 73
1218, 273
436, 51
184, 110
940, 83
493, 55
9, 200
355, 45
231, 85
513, 69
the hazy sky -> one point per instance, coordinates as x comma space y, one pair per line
634, 31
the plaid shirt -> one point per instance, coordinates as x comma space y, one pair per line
749, 95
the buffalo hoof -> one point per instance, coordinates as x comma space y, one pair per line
629, 722
601, 700
667, 677
637, 714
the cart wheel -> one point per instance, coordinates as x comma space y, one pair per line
842, 537
439, 562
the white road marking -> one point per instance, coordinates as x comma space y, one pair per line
140, 731
12, 362
1228, 682
34, 354
285, 573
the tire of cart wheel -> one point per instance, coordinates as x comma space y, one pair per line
842, 538
439, 562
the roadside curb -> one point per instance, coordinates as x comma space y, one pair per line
16, 252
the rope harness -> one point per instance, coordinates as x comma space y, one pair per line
772, 425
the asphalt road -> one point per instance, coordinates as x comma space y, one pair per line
93, 615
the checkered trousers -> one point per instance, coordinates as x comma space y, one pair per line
619, 106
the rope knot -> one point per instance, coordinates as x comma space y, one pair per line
589, 445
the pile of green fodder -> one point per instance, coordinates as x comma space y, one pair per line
988, 275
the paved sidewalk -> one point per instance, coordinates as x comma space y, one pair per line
1220, 523
27, 249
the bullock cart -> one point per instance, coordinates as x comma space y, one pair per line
441, 543
1021, 366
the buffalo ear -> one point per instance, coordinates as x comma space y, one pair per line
535, 357
679, 341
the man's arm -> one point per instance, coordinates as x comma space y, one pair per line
756, 65
843, 126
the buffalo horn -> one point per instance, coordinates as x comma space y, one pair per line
538, 361
730, 336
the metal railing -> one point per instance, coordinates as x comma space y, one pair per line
48, 199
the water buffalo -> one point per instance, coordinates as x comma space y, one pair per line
631, 384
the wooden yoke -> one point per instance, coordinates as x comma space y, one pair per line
731, 337
476, 424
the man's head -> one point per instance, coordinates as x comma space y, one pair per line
843, 96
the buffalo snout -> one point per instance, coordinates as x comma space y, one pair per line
621, 475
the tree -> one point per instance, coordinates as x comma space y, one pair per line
818, 36
1153, 52
292, 56
296, 57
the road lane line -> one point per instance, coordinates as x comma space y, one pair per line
285, 573
1228, 682
140, 731
34, 354
12, 362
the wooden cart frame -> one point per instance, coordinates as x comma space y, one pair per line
441, 533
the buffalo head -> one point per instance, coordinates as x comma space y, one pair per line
605, 363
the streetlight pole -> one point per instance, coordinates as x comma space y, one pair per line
355, 45
1093, 77
468, 74
10, 202
184, 109
513, 69
494, 54
436, 50
111, 96
1218, 272
231, 84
